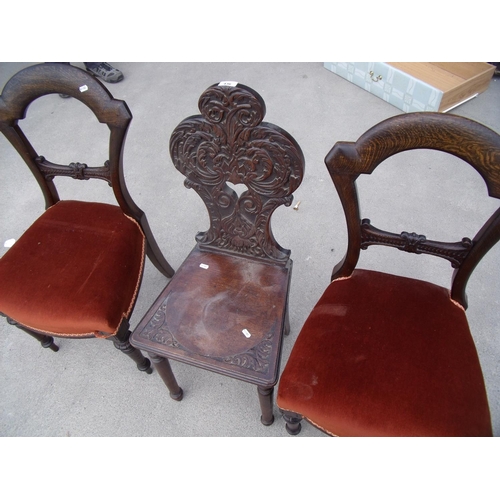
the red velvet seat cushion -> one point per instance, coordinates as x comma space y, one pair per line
75, 271
382, 355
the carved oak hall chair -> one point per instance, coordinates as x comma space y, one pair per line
76, 270
226, 309
385, 355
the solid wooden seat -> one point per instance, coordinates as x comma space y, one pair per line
76, 271
386, 355
226, 309
228, 314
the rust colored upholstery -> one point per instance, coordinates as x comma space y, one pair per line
412, 370
386, 355
75, 272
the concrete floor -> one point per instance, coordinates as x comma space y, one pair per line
90, 389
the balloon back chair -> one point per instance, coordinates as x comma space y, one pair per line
387, 355
76, 271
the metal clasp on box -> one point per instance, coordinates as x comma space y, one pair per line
376, 79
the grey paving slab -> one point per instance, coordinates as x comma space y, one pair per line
90, 389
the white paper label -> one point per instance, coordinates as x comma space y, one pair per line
204, 266
246, 333
9, 243
228, 84
83, 88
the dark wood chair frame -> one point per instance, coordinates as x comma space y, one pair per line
59, 78
229, 143
466, 139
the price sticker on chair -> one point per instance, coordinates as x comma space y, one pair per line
228, 84
83, 88
246, 333
204, 266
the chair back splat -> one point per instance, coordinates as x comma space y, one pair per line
388, 355
229, 143
226, 309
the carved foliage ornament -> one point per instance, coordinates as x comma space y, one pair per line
229, 143
256, 359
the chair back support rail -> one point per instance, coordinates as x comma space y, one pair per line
470, 141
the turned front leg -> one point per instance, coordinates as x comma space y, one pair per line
45, 340
293, 426
266, 404
164, 369
123, 345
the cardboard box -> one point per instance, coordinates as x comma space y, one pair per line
418, 86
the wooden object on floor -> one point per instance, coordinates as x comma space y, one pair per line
226, 309
385, 355
77, 269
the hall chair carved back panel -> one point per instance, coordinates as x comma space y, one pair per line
76, 271
226, 310
386, 355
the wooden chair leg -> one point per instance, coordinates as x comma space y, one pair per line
164, 369
45, 340
266, 404
293, 426
143, 363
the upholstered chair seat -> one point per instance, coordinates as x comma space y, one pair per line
103, 254
399, 361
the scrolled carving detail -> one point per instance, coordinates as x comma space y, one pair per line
78, 170
157, 331
411, 241
75, 170
415, 243
229, 143
255, 359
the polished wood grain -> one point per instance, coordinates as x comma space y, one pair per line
226, 309
226, 316
466, 139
